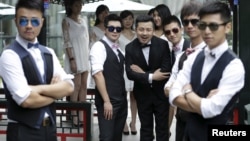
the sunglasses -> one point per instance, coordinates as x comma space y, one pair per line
194, 22
211, 26
112, 29
35, 22
174, 30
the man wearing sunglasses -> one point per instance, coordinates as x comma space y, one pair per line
211, 78
174, 32
148, 64
190, 18
107, 64
33, 78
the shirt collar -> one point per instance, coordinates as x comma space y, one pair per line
110, 43
219, 50
23, 42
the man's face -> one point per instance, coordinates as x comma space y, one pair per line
173, 32
214, 30
113, 30
145, 31
29, 23
190, 27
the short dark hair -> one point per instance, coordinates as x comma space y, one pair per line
144, 18
172, 19
68, 5
112, 17
30, 4
190, 8
98, 11
216, 7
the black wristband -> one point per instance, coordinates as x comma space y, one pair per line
71, 59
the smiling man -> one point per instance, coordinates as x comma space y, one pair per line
148, 64
107, 64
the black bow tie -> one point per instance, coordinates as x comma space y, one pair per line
145, 45
30, 45
212, 54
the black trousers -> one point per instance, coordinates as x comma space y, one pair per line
20, 132
111, 130
153, 109
181, 120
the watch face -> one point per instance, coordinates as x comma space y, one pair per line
187, 91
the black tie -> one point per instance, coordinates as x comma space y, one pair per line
30, 45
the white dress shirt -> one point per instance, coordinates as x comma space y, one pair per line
175, 68
231, 82
11, 70
98, 54
180, 46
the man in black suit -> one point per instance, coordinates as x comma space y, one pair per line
148, 64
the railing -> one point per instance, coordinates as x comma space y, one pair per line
65, 127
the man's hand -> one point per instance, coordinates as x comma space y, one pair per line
158, 75
167, 89
55, 79
187, 87
108, 110
136, 68
212, 92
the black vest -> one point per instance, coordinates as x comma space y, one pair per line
29, 116
197, 125
113, 71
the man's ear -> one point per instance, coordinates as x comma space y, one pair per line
42, 20
15, 20
228, 27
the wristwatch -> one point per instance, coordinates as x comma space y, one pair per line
187, 91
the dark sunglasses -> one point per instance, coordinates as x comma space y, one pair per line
174, 30
194, 22
112, 29
25, 21
211, 26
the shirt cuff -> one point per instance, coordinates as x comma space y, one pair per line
150, 78
173, 94
168, 84
204, 109
96, 68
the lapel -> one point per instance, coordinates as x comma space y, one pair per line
139, 54
152, 51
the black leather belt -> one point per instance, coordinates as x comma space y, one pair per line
46, 122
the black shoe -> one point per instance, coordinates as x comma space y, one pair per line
125, 132
132, 132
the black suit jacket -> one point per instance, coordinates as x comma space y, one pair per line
159, 57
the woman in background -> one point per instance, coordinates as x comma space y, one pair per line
161, 12
76, 47
127, 35
98, 29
